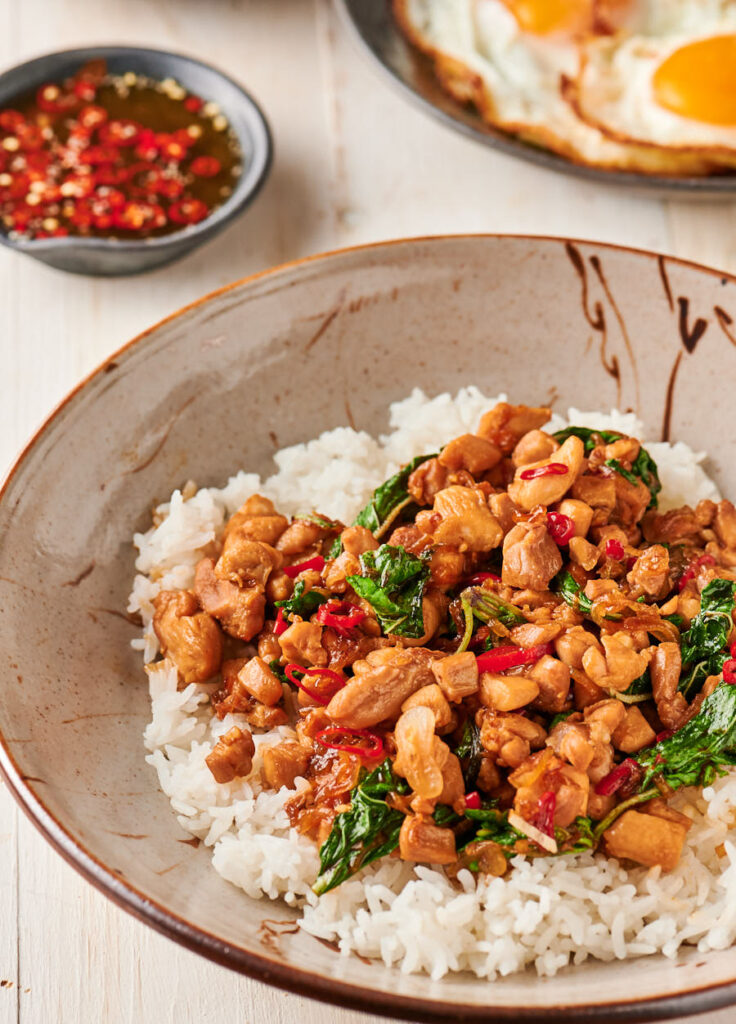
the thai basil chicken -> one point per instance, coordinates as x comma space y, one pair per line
509, 651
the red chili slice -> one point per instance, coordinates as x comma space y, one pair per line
205, 166
51, 100
193, 104
729, 672
621, 775
30, 137
78, 186
328, 738
544, 819
479, 577
501, 658
92, 116
95, 155
140, 216
281, 625
551, 469
170, 147
121, 132
10, 120
472, 800
560, 527
322, 697
693, 568
615, 549
340, 615
188, 211
292, 571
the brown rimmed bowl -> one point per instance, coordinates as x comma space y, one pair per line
266, 362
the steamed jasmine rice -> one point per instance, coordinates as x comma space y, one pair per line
546, 912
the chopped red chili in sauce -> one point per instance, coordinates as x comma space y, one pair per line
112, 156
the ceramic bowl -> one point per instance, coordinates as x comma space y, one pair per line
374, 28
108, 257
267, 362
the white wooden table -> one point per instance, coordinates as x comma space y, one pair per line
354, 163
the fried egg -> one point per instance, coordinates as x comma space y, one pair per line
672, 85
518, 62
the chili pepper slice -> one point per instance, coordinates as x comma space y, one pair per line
622, 774
193, 104
281, 624
120, 132
84, 90
327, 737
551, 469
480, 577
560, 527
544, 819
692, 570
501, 658
188, 211
170, 147
205, 166
340, 615
327, 692
472, 800
10, 120
29, 136
140, 216
101, 155
52, 100
292, 571
729, 672
615, 549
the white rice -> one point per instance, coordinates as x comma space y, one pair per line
548, 912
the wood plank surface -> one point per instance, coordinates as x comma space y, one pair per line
354, 163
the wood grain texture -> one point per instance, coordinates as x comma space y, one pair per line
354, 163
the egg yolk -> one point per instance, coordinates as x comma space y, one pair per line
698, 81
543, 17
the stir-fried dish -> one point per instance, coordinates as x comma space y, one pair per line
509, 651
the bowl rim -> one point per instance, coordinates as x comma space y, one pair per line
278, 972
245, 191
716, 187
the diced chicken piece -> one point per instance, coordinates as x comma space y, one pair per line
336, 572
427, 480
603, 718
257, 508
470, 452
246, 562
533, 633
597, 491
646, 839
447, 566
262, 717
284, 763
380, 685
533, 447
583, 553
530, 557
631, 500
232, 755
619, 666
422, 841
580, 513
679, 525
269, 647
509, 738
506, 424
431, 697
553, 680
724, 524
585, 691
300, 536
665, 668
506, 693
457, 675
302, 643
504, 510
420, 754
544, 490
240, 610
488, 775
571, 741
258, 679
411, 538
599, 807
573, 644
231, 697
634, 732
544, 773
466, 521
356, 540
188, 636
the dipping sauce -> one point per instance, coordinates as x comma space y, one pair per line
112, 156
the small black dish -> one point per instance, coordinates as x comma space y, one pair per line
110, 257
374, 28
